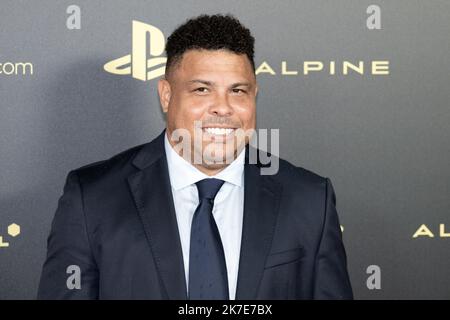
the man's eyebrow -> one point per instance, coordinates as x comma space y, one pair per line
211, 83
241, 84
205, 82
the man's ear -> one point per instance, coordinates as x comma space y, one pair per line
164, 92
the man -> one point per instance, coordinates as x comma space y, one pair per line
153, 223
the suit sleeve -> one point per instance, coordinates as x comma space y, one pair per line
69, 251
331, 280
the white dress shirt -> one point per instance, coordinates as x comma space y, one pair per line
227, 211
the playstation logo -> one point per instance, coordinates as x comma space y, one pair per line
142, 64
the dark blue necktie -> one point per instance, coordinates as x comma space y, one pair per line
207, 268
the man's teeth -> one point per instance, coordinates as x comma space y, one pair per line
219, 131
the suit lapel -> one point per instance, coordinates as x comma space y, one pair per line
153, 197
261, 202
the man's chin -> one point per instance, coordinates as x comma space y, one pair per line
214, 166
218, 158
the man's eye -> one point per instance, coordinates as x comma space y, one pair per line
240, 91
201, 90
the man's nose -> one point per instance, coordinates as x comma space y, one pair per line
221, 105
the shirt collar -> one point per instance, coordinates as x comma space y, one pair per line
182, 173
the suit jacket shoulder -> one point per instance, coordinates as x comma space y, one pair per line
113, 165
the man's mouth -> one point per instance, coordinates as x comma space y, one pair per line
218, 131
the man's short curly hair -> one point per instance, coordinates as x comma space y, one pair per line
209, 32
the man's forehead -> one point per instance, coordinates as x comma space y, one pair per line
205, 59
219, 66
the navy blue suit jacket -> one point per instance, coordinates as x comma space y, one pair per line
116, 221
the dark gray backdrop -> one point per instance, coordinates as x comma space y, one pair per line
383, 140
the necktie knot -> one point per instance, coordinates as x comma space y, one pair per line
208, 188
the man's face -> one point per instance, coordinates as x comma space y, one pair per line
218, 88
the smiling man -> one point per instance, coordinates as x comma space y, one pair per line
189, 215
209, 94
